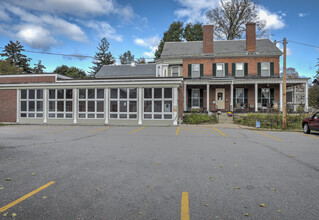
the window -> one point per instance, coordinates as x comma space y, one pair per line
91, 103
289, 96
60, 103
239, 98
220, 70
239, 69
158, 103
31, 105
123, 103
265, 97
195, 98
195, 70
175, 71
265, 69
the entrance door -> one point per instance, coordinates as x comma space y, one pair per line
220, 98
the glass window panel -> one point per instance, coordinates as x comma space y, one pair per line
31, 106
82, 106
113, 106
60, 106
264, 65
23, 94
157, 116
123, 93
195, 102
68, 93
91, 93
82, 93
51, 115
51, 106
23, 106
100, 106
168, 116
91, 106
113, 115
100, 93
91, 116
168, 93
133, 106
60, 115
239, 66
133, 94
39, 115
175, 70
40, 106
52, 94
132, 116
123, 115
147, 106
123, 106
31, 94
147, 116
23, 115
157, 93
157, 106
167, 106
39, 94
100, 115
68, 115
31, 115
148, 93
219, 66
82, 116
60, 93
68, 106
113, 93
195, 67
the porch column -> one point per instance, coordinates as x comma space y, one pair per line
306, 97
140, 106
45, 104
281, 96
75, 102
295, 98
207, 97
231, 97
185, 87
175, 106
106, 106
256, 97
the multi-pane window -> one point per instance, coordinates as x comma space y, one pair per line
123, 103
91, 103
195, 98
239, 69
265, 97
195, 70
220, 70
289, 97
265, 69
158, 103
31, 105
239, 98
60, 103
175, 70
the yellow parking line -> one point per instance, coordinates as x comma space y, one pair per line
177, 130
185, 206
307, 135
220, 132
98, 129
268, 135
65, 129
137, 130
201, 132
4, 208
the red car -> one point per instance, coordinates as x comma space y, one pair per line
311, 123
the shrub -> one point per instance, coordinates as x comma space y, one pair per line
195, 118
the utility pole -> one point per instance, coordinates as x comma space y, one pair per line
284, 89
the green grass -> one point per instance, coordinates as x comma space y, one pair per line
196, 118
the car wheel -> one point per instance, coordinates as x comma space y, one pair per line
306, 128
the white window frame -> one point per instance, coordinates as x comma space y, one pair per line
95, 113
220, 71
119, 100
261, 99
36, 99
265, 71
163, 100
178, 71
195, 73
64, 100
193, 97
237, 93
240, 73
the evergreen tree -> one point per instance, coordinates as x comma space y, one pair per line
9, 68
39, 67
102, 57
13, 52
126, 58
193, 32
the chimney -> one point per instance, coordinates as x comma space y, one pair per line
251, 37
208, 39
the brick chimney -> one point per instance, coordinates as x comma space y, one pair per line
208, 39
251, 37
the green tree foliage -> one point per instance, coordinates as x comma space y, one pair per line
316, 80
313, 96
141, 60
6, 67
38, 68
231, 16
193, 32
72, 72
13, 52
126, 58
102, 57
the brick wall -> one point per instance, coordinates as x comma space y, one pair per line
8, 105
26, 79
181, 101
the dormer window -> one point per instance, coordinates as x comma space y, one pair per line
175, 71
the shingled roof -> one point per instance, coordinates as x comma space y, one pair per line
223, 48
127, 70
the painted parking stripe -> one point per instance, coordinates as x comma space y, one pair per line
62, 129
137, 130
177, 130
99, 129
220, 132
4, 208
307, 135
268, 135
185, 206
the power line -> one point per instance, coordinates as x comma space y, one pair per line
308, 45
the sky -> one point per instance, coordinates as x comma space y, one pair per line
77, 26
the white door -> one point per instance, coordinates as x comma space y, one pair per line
220, 98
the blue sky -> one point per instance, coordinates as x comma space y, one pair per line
77, 26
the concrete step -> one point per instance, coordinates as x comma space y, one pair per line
225, 119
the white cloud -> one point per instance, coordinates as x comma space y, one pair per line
280, 46
104, 29
151, 43
273, 20
4, 16
301, 15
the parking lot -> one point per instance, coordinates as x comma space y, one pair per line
187, 172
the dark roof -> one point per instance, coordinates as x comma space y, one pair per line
126, 70
223, 48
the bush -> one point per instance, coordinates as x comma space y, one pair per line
195, 118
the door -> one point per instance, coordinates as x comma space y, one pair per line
220, 98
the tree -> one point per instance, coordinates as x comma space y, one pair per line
141, 60
231, 16
126, 58
9, 68
316, 80
291, 73
313, 96
13, 52
193, 32
102, 57
38, 68
72, 72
